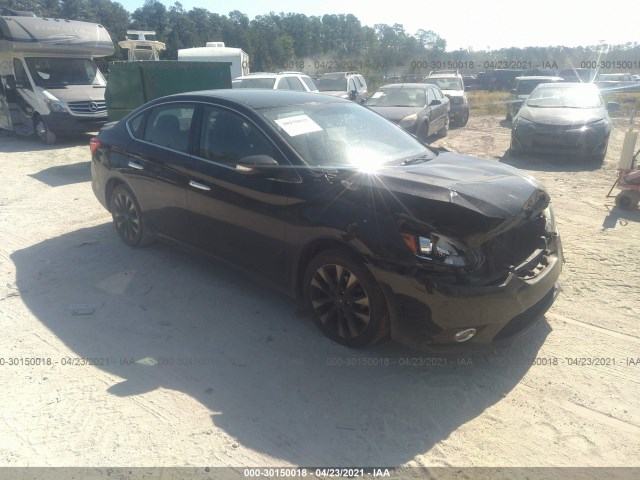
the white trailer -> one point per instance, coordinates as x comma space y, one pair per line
49, 84
217, 52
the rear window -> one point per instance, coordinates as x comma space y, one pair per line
267, 83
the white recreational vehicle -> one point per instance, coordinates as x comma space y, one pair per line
217, 52
49, 84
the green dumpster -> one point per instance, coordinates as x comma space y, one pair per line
131, 84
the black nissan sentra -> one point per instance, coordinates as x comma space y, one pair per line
328, 201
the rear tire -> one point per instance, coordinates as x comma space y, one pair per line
127, 217
346, 302
627, 199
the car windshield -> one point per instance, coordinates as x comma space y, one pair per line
451, 83
266, 83
60, 72
332, 84
610, 77
398, 97
346, 135
526, 87
565, 97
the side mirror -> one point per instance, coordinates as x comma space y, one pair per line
262, 166
613, 106
435, 102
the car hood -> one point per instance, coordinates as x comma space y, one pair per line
75, 93
395, 114
458, 188
453, 93
562, 116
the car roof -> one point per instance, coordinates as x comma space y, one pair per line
411, 85
444, 75
540, 77
339, 74
259, 98
567, 84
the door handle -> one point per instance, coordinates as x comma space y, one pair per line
199, 186
135, 165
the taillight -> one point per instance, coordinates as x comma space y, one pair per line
94, 143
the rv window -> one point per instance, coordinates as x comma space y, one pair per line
22, 79
60, 72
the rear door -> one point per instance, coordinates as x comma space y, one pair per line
157, 172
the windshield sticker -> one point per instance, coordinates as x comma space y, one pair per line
298, 125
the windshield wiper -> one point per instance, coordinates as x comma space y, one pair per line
419, 159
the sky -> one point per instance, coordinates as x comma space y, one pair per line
467, 23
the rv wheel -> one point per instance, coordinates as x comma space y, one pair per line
43, 132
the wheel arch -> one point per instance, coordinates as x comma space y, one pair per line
108, 190
312, 249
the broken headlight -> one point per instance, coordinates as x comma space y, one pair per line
435, 248
549, 220
409, 121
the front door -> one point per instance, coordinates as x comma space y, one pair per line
21, 97
5, 115
233, 215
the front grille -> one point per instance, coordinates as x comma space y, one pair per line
89, 107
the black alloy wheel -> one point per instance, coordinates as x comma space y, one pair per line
127, 217
347, 303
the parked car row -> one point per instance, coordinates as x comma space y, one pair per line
422, 108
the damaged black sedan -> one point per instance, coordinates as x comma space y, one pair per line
330, 202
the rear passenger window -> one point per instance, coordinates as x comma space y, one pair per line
309, 83
135, 125
283, 85
295, 84
169, 125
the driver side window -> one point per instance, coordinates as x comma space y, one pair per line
226, 137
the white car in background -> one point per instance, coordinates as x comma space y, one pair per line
276, 81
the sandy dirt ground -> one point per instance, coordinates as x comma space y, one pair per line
111, 356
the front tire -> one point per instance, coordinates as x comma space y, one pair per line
43, 131
127, 217
347, 303
423, 132
444, 130
463, 119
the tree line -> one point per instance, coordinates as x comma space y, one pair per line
314, 44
